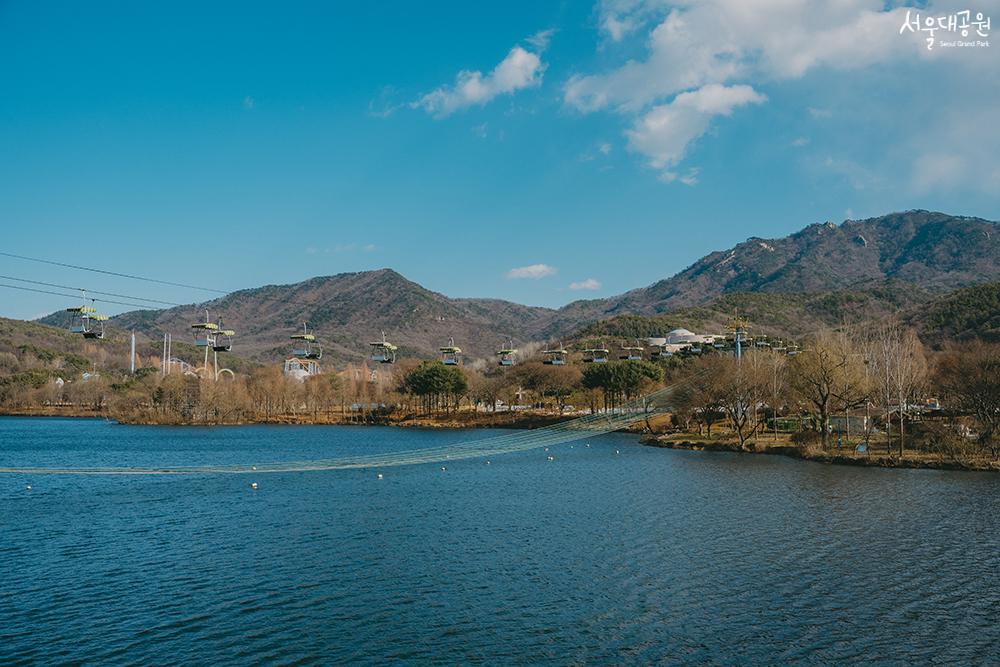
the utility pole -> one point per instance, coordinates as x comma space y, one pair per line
131, 358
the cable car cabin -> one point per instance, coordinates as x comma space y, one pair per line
223, 341
383, 352
93, 325
205, 333
507, 356
631, 354
597, 355
555, 357
309, 350
79, 317
450, 354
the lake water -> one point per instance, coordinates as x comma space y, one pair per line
646, 556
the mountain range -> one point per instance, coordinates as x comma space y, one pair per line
857, 268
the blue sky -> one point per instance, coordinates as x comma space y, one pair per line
539, 152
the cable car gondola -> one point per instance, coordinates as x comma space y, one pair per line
204, 332
383, 351
310, 348
596, 355
223, 339
631, 353
450, 354
555, 356
507, 354
86, 321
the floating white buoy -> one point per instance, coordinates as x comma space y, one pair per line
588, 444
552, 458
487, 462
253, 485
443, 468
253, 467
617, 452
546, 449
380, 475
28, 487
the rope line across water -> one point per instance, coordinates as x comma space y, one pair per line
569, 431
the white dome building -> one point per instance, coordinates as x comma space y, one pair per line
683, 336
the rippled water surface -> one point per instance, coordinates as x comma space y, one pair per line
646, 556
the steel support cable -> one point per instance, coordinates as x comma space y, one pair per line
75, 296
112, 273
90, 291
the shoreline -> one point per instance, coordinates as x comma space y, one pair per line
531, 420
910, 460
458, 420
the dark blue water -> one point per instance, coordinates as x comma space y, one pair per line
647, 556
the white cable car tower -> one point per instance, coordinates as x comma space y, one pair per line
211, 335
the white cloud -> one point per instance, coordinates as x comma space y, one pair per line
520, 69
540, 40
385, 104
534, 271
687, 45
249, 102
799, 142
665, 131
588, 284
689, 178
604, 148
717, 41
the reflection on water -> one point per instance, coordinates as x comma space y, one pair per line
646, 556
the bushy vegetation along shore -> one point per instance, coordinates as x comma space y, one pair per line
870, 392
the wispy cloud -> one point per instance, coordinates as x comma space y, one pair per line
799, 142
665, 131
249, 102
588, 284
534, 271
384, 104
520, 69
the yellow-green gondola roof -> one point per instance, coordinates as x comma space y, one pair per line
308, 337
208, 326
450, 349
554, 352
81, 309
383, 344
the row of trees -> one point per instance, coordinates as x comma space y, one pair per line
882, 373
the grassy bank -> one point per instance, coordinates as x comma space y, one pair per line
526, 419
846, 456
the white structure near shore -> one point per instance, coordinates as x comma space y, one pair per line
300, 369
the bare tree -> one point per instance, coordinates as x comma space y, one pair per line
969, 378
821, 373
900, 370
